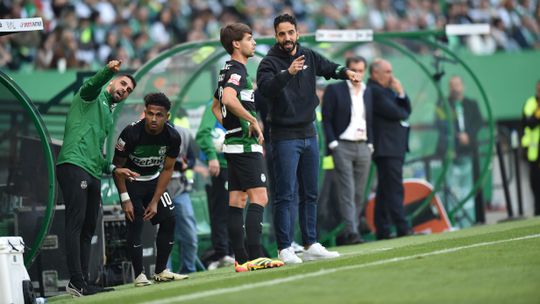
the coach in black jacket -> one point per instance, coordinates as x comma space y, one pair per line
286, 77
391, 109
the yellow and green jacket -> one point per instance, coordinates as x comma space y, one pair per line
531, 123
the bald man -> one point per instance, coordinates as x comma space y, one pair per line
391, 109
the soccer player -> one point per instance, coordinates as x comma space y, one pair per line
81, 164
149, 147
234, 107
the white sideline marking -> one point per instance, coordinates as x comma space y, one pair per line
370, 251
221, 291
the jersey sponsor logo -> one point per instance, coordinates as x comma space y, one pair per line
120, 144
234, 79
146, 161
84, 184
247, 95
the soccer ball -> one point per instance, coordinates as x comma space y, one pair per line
218, 137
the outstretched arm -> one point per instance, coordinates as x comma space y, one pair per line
92, 87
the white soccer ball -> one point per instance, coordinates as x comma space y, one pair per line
218, 137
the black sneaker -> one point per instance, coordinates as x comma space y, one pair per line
75, 291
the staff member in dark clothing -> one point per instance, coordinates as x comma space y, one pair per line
391, 109
286, 77
149, 147
81, 164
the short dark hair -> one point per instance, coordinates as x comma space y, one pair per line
284, 18
355, 59
157, 99
233, 32
130, 78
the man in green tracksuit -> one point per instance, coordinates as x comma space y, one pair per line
81, 163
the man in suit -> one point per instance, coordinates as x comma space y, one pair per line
467, 121
346, 112
391, 109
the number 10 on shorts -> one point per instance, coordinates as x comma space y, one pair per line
167, 201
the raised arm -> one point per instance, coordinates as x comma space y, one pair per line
92, 87
271, 81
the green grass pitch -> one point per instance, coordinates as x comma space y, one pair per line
485, 264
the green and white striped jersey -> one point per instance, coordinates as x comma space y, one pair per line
237, 140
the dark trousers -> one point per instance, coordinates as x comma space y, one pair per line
534, 174
82, 197
218, 207
389, 200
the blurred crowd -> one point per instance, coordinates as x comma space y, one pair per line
87, 33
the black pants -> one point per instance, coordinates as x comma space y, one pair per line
389, 199
534, 173
82, 197
141, 194
218, 207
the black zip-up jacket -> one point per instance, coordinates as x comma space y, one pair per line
292, 99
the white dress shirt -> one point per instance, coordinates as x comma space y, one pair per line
357, 126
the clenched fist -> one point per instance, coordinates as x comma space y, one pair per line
114, 65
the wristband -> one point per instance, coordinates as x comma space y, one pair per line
124, 197
112, 168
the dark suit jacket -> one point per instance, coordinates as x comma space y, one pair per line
473, 121
390, 137
336, 111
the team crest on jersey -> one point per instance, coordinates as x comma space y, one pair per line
263, 177
234, 79
162, 150
120, 144
84, 184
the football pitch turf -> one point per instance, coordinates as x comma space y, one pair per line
485, 264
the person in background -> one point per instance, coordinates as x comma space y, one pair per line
347, 118
185, 232
466, 120
391, 109
531, 143
210, 138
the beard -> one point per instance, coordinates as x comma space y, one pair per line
116, 98
288, 46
